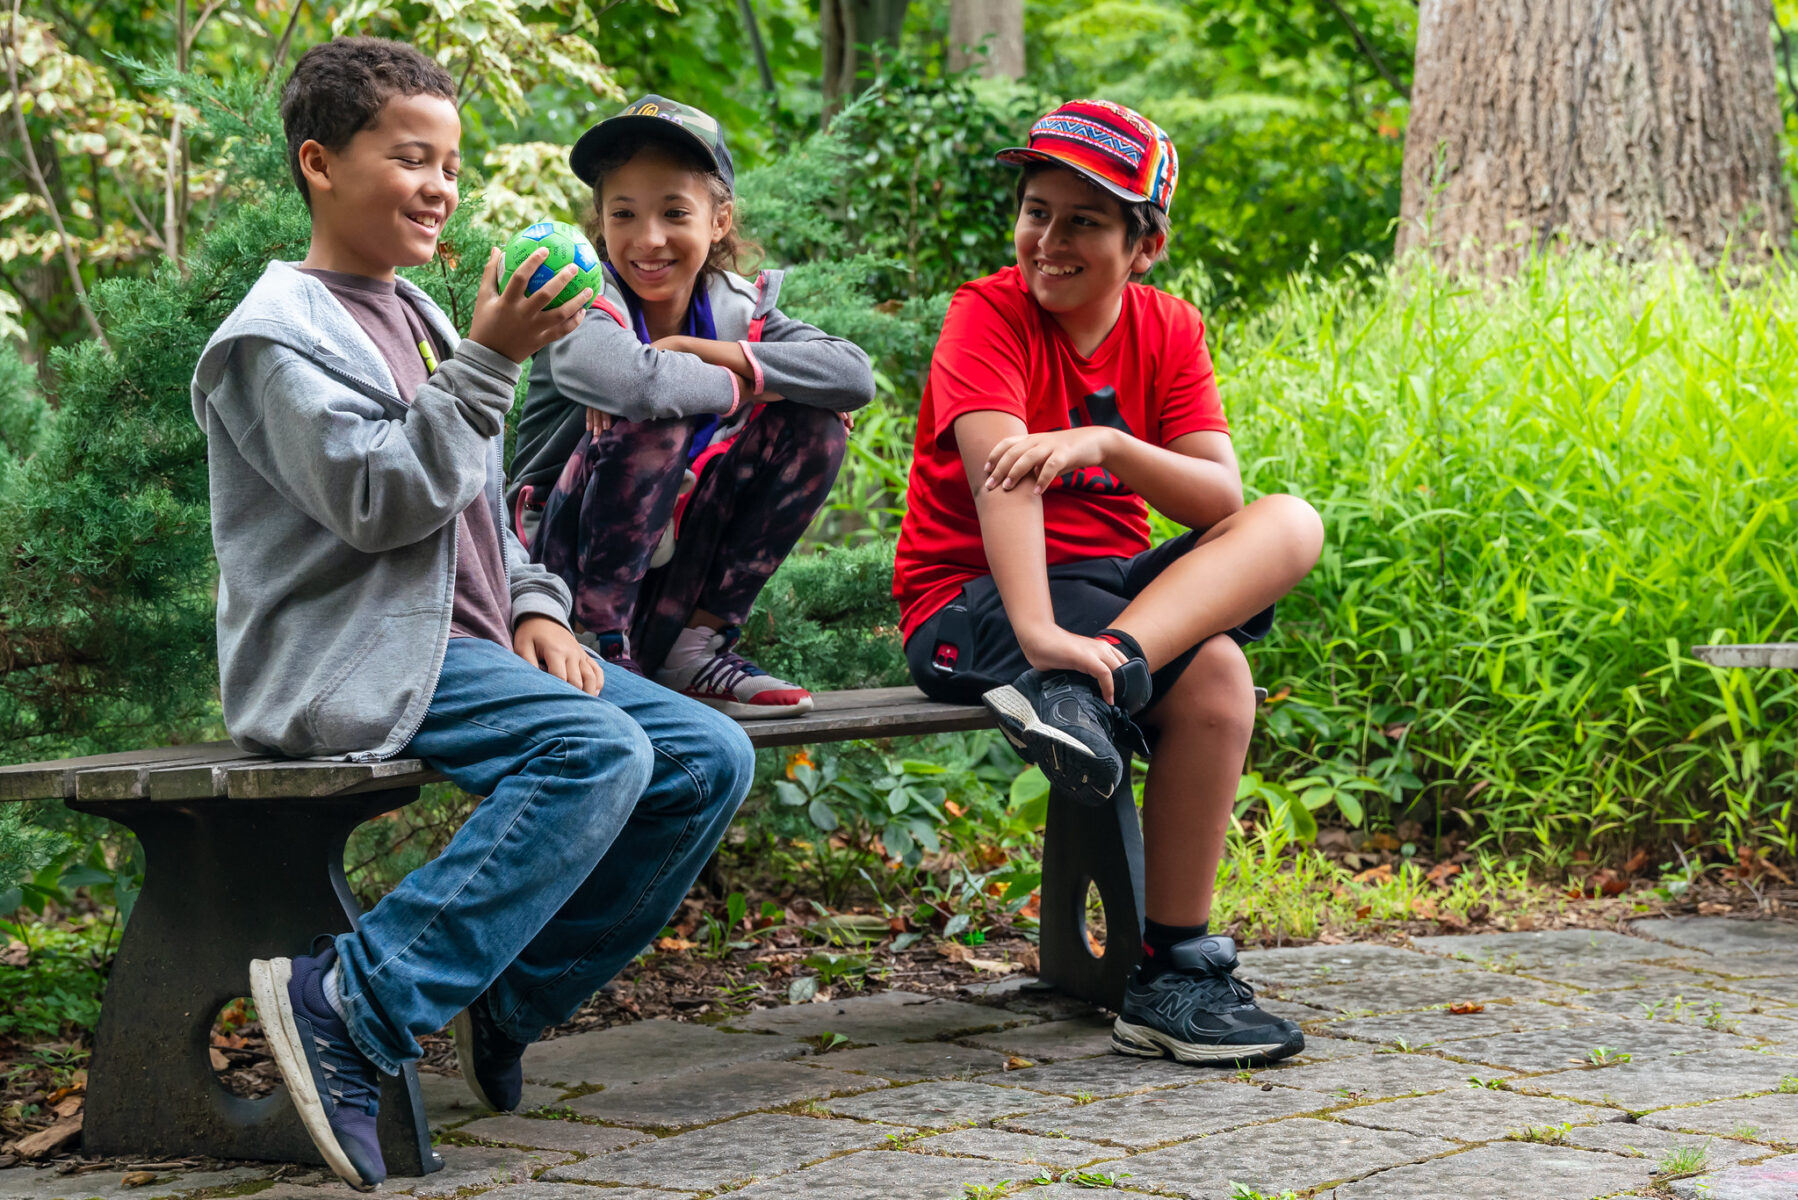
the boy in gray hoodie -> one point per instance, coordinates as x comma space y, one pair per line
372, 602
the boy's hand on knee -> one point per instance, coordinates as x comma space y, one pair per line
517, 324
548, 644
1046, 456
1055, 649
599, 422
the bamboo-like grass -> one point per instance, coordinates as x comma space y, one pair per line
1538, 496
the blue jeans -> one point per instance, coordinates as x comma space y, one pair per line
599, 813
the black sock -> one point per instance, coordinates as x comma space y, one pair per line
1159, 939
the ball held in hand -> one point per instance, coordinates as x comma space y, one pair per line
566, 244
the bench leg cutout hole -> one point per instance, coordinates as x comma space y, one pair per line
1092, 908
239, 1053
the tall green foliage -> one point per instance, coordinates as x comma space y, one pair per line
1538, 495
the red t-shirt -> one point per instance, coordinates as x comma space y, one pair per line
1151, 377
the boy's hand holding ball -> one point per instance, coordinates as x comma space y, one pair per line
535, 291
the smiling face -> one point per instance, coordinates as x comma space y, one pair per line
381, 202
1073, 245
659, 221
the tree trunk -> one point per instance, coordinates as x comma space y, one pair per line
1596, 119
972, 22
853, 28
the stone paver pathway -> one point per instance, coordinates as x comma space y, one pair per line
1663, 1064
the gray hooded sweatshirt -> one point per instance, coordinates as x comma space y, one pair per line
334, 505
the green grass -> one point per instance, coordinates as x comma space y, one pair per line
1538, 497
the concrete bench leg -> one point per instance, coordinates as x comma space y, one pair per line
1101, 846
226, 881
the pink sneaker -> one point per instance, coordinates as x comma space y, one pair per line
732, 684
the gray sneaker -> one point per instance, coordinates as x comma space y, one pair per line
1195, 1010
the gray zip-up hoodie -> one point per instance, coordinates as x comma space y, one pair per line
334, 506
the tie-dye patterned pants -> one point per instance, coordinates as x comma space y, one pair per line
605, 517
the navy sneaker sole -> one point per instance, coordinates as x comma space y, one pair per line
1145, 1041
1068, 762
287, 1044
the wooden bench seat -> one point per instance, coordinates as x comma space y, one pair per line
244, 859
1754, 654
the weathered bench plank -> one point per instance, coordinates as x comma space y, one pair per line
1761, 654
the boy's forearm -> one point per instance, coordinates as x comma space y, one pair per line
1196, 492
1011, 530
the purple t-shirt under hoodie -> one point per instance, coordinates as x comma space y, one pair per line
483, 607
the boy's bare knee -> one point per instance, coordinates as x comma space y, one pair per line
1216, 691
1299, 527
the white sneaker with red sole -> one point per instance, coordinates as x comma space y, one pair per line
732, 684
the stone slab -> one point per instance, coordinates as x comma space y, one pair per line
1014, 1147
1555, 1049
745, 1149
1112, 1075
449, 1103
1690, 1003
1294, 967
1773, 1118
648, 1050
1660, 1082
1750, 966
1375, 1076
1471, 1114
1322, 1048
704, 1096
1505, 1171
467, 1167
1623, 973
1437, 1027
881, 1019
577, 1191
575, 1136
1773, 1179
1424, 991
1152, 1118
914, 1061
1720, 935
887, 1175
1641, 1141
1522, 950
1051, 1041
943, 1105
1278, 1157
30, 1183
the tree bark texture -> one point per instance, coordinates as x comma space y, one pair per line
973, 22
851, 28
1597, 119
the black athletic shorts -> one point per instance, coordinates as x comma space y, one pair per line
967, 646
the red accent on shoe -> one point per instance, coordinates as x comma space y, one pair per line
778, 699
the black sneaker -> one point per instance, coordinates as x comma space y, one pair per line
490, 1061
336, 1090
1195, 1010
1058, 721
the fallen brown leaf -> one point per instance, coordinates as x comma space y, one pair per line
137, 1179
1466, 1007
1017, 1063
67, 1107
1379, 874
674, 943
1440, 873
992, 966
219, 1061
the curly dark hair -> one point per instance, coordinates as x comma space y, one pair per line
732, 252
337, 90
1140, 217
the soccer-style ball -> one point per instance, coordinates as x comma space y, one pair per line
566, 244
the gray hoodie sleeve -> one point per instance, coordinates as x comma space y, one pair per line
376, 481
602, 365
805, 364
536, 590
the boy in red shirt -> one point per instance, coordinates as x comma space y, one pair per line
1064, 397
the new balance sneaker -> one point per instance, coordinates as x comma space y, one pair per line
490, 1061
1058, 721
336, 1090
732, 684
1195, 1010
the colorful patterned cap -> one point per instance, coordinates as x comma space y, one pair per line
656, 117
1119, 149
